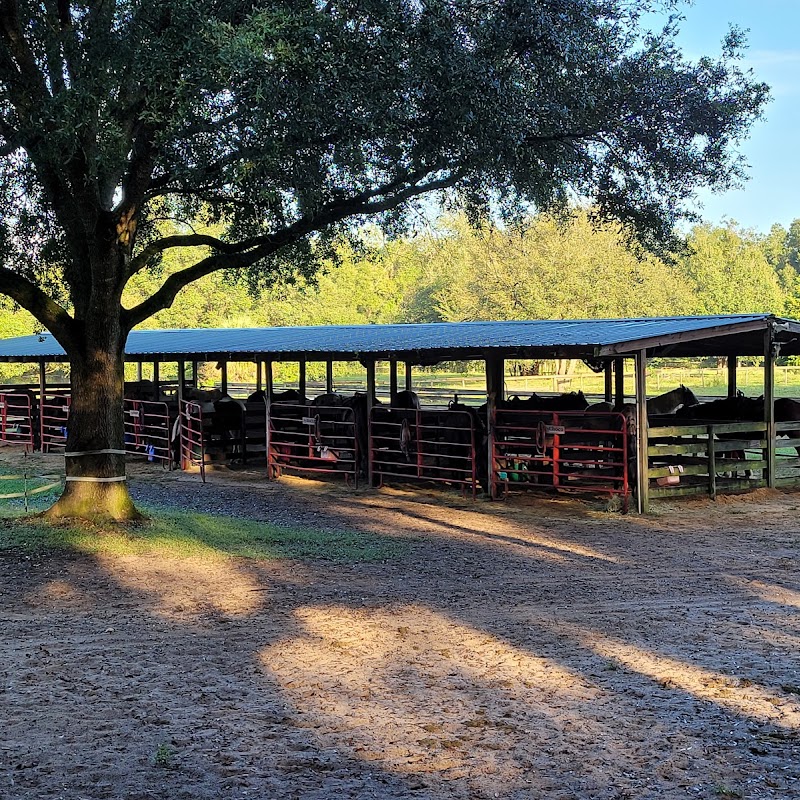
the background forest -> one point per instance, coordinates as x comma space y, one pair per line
454, 272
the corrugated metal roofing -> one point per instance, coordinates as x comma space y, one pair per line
589, 337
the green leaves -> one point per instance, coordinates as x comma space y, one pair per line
290, 122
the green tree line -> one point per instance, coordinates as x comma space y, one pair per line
550, 268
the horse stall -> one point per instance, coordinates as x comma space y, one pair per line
148, 430
426, 445
317, 439
191, 437
617, 450
561, 451
53, 417
18, 419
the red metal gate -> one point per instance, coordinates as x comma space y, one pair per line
16, 420
571, 451
53, 417
312, 439
425, 445
147, 430
191, 437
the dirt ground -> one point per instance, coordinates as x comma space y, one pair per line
520, 649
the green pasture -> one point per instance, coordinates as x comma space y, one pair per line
704, 382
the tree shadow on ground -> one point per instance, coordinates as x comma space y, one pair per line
568, 657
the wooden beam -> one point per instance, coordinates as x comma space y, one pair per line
301, 378
181, 380
329, 376
732, 364
495, 368
642, 461
139, 371
409, 378
370, 365
42, 379
699, 334
223, 366
619, 382
195, 374
769, 405
268, 379
156, 379
258, 375
608, 383
392, 380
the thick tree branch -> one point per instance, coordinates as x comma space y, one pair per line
33, 299
265, 246
186, 240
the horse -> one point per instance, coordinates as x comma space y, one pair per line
670, 402
788, 410
405, 399
571, 401
727, 409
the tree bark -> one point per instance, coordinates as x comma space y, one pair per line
95, 481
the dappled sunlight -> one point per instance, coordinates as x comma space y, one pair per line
451, 522
60, 594
738, 695
421, 693
771, 592
177, 588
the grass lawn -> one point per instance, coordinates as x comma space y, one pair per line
181, 534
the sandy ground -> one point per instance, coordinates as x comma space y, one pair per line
521, 649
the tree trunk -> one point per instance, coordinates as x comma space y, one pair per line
95, 481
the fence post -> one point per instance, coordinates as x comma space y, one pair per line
494, 392
619, 382
712, 463
392, 380
769, 402
732, 365
370, 365
642, 461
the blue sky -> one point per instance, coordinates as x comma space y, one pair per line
773, 192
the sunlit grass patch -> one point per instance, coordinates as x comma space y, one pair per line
42, 489
189, 534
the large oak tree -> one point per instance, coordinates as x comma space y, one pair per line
289, 121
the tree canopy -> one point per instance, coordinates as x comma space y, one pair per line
282, 124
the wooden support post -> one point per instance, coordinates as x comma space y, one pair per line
301, 378
619, 382
223, 366
409, 378
258, 375
42, 380
156, 380
268, 379
392, 380
329, 376
712, 464
608, 386
195, 374
732, 364
495, 368
642, 461
370, 365
769, 404
139, 372
181, 380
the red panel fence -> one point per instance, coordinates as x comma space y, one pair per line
424, 445
572, 451
313, 439
147, 430
17, 420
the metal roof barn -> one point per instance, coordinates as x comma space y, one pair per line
741, 334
